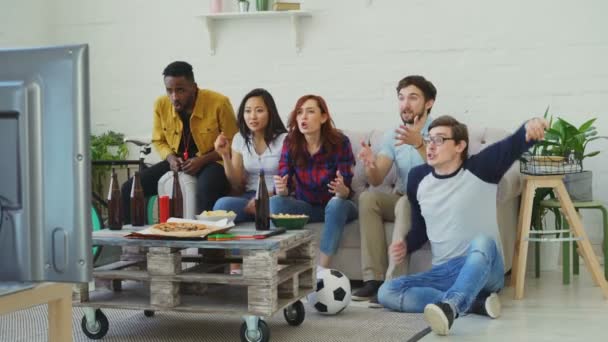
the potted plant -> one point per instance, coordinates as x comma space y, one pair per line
563, 150
243, 6
107, 146
567, 144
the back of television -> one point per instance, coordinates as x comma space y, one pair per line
45, 228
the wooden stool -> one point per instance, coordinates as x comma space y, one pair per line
578, 205
531, 183
59, 298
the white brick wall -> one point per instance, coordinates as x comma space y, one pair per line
23, 23
494, 62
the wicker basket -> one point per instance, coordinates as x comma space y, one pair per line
549, 165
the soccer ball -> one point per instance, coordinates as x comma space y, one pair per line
332, 294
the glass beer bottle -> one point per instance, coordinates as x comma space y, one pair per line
137, 202
114, 205
177, 200
262, 205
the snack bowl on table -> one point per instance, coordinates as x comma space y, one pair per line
289, 221
216, 215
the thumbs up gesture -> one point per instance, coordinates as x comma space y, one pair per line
338, 187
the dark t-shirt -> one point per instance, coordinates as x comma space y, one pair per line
187, 141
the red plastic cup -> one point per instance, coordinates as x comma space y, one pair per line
163, 208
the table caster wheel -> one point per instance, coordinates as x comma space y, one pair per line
260, 335
97, 329
295, 313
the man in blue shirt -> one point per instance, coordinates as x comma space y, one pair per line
404, 148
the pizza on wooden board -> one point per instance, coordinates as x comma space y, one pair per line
181, 229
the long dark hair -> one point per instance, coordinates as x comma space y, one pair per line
275, 125
330, 136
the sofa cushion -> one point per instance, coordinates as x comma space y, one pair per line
510, 185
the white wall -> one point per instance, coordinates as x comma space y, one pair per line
494, 62
23, 23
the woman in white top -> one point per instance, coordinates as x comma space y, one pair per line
257, 146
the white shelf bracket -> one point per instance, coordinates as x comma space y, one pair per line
209, 24
296, 32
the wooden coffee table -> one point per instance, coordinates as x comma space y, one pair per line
154, 275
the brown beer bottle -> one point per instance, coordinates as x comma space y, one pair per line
114, 205
262, 205
177, 200
138, 211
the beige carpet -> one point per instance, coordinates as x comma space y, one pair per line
354, 324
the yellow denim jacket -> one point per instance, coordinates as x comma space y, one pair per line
212, 114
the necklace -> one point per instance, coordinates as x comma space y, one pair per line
187, 145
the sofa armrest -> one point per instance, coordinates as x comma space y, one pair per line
510, 186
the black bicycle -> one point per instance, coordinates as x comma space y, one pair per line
99, 207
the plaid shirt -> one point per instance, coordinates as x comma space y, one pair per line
311, 181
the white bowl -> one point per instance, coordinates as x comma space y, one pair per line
215, 218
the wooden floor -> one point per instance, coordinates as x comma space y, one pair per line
549, 311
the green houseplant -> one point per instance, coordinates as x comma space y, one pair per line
565, 140
569, 145
107, 146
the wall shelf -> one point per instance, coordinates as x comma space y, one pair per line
294, 16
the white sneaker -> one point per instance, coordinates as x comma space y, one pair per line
493, 306
490, 307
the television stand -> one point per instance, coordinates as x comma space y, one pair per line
58, 296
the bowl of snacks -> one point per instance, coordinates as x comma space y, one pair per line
216, 215
289, 221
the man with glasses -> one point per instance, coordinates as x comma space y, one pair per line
453, 205
405, 148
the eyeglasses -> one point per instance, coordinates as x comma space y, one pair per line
438, 140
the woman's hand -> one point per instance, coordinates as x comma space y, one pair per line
280, 185
222, 145
338, 187
250, 207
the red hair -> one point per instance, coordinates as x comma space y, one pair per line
330, 136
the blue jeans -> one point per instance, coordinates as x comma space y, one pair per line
236, 204
458, 281
336, 214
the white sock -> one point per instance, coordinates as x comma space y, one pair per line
320, 269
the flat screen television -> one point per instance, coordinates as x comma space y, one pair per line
45, 197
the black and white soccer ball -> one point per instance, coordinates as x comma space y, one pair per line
332, 294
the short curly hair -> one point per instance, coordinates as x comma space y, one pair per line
178, 69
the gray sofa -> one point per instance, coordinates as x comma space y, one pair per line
348, 257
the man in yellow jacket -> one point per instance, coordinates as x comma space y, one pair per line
187, 120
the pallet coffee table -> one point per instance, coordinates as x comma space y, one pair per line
155, 275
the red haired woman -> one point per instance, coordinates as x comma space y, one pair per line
318, 159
